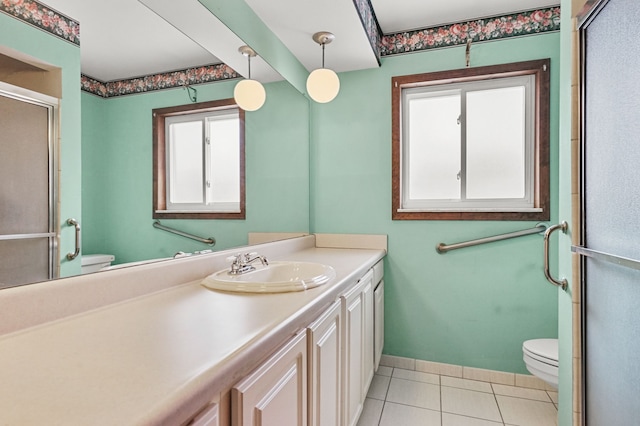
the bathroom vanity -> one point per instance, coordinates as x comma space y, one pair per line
150, 345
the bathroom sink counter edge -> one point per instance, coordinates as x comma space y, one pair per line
160, 356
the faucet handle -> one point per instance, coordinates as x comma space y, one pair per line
234, 258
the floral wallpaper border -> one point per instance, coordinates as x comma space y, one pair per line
41, 16
168, 80
370, 24
514, 25
529, 22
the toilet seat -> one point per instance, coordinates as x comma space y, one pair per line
541, 359
543, 350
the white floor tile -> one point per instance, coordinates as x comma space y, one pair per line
538, 395
417, 394
371, 412
416, 376
449, 419
470, 403
525, 412
454, 382
404, 397
397, 414
379, 387
384, 370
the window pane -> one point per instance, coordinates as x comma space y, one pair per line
224, 133
186, 178
434, 147
496, 143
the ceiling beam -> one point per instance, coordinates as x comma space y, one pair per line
243, 21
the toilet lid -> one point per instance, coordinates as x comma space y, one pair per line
544, 350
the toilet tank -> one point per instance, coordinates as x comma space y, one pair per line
95, 262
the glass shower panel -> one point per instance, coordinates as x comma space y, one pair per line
23, 261
25, 193
24, 167
611, 209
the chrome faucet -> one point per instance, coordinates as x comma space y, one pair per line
241, 263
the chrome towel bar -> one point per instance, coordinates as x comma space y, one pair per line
607, 257
443, 248
210, 241
75, 224
562, 283
27, 236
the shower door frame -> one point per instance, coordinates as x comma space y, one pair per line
52, 105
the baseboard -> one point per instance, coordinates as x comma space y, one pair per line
471, 373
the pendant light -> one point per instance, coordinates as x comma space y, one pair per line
249, 94
323, 84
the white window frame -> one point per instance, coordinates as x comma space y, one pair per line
525, 203
207, 205
535, 75
162, 119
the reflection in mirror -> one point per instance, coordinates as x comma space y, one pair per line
117, 150
28, 194
198, 161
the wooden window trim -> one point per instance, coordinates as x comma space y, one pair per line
159, 160
541, 70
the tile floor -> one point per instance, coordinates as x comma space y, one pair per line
400, 397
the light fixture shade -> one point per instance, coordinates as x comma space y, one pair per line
249, 94
323, 85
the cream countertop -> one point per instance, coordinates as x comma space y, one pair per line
160, 357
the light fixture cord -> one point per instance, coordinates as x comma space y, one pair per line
249, 58
322, 55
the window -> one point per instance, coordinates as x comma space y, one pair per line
472, 144
199, 161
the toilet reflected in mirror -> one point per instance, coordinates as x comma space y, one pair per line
96, 262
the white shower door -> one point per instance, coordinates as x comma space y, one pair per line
27, 188
610, 193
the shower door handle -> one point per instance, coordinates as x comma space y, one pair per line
563, 227
73, 222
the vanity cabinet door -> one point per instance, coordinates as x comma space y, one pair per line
368, 336
357, 307
276, 393
210, 416
325, 361
378, 324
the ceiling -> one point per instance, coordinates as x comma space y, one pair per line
132, 38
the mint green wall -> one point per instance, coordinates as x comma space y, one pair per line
565, 305
472, 307
117, 173
49, 49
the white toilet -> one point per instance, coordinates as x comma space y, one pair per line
95, 262
541, 358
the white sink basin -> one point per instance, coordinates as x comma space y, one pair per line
278, 277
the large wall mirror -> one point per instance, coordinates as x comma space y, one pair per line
111, 193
